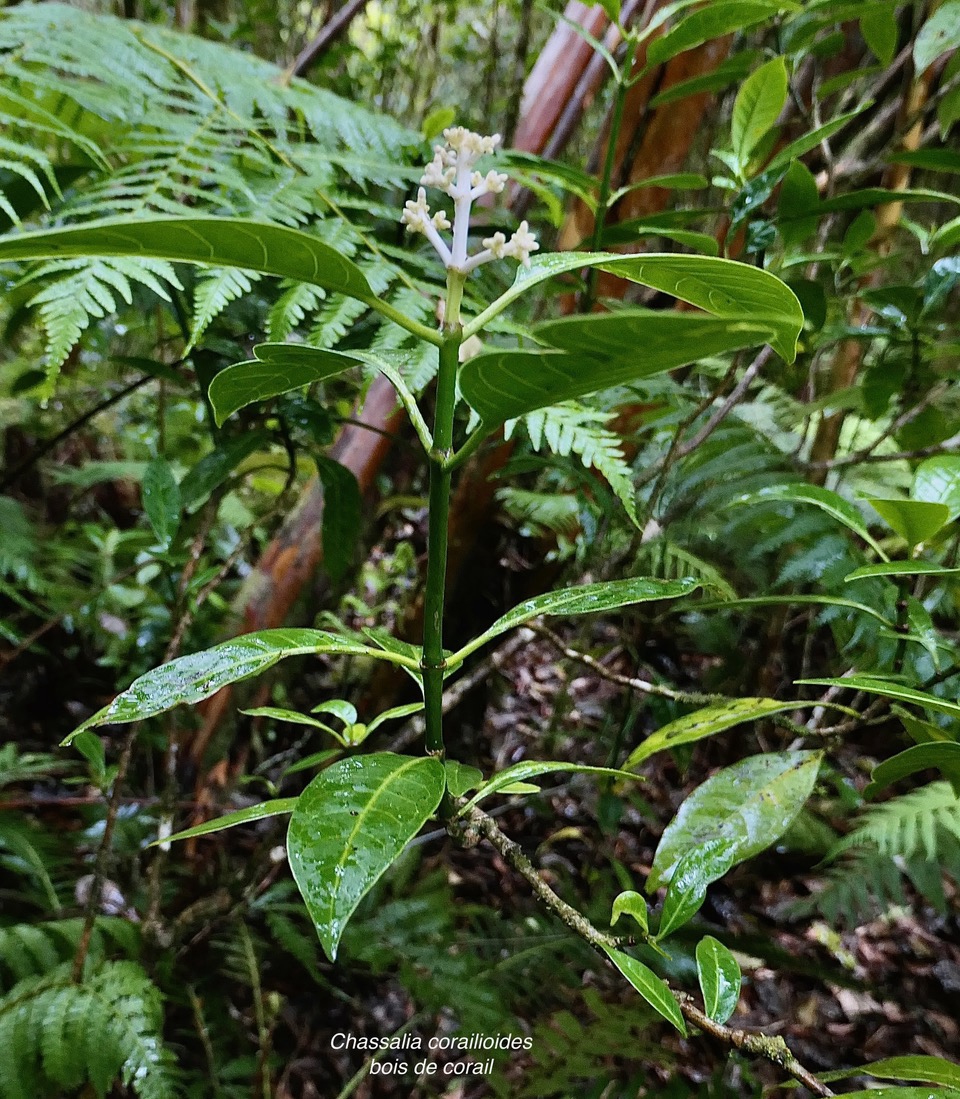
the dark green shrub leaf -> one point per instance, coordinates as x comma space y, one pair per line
878, 25
879, 686
720, 978
161, 499
914, 520
901, 568
926, 1069
655, 991
945, 756
695, 871
274, 808
504, 781
712, 21
341, 516
350, 824
461, 778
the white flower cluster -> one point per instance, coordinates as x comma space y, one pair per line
452, 171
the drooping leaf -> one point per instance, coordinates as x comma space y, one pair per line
798, 600
278, 368
924, 1068
879, 686
265, 809
600, 350
704, 723
279, 713
716, 19
941, 32
633, 904
504, 781
901, 568
694, 873
945, 756
211, 241
937, 480
914, 520
794, 149
750, 804
350, 824
341, 516
655, 991
878, 25
161, 499
189, 679
720, 977
584, 599
757, 107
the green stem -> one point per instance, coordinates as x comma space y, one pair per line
433, 663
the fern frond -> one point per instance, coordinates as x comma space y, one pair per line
907, 825
214, 291
666, 560
556, 512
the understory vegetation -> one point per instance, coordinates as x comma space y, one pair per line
516, 663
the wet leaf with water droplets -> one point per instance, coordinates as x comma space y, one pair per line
720, 977
350, 824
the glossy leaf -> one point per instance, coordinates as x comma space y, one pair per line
940, 33
914, 520
350, 824
693, 874
704, 723
719, 974
520, 772
717, 18
750, 804
902, 1093
880, 686
603, 350
584, 599
277, 368
278, 713
798, 600
265, 809
757, 107
655, 991
945, 756
901, 568
341, 521
724, 288
825, 499
395, 713
461, 778
797, 148
192, 678
919, 1067
211, 241
161, 499
633, 904
937, 480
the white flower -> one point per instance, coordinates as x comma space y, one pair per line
416, 215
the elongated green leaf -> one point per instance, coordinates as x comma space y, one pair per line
704, 723
750, 804
694, 872
395, 713
211, 241
461, 778
830, 502
504, 780
721, 287
902, 1093
757, 107
585, 599
278, 713
920, 1067
265, 809
192, 678
941, 32
214, 468
161, 499
717, 18
350, 824
804, 144
720, 978
879, 686
633, 904
934, 160
914, 520
602, 350
278, 368
945, 756
877, 196
341, 516
901, 568
878, 25
937, 480
655, 991
799, 600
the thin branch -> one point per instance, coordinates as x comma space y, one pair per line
329, 33
863, 457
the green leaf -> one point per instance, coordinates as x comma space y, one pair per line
751, 804
716, 19
277, 713
90, 746
721, 287
274, 808
757, 107
830, 502
350, 824
634, 905
927, 1069
902, 1093
602, 350
934, 160
461, 778
214, 468
192, 678
278, 368
341, 517
914, 520
520, 772
583, 599
877, 196
395, 713
211, 241
794, 149
901, 568
937, 481
945, 756
941, 32
704, 723
340, 708
797, 600
879, 686
161, 499
612, 8
695, 871
655, 991
878, 25
720, 977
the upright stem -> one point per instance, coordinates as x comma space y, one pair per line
440, 473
